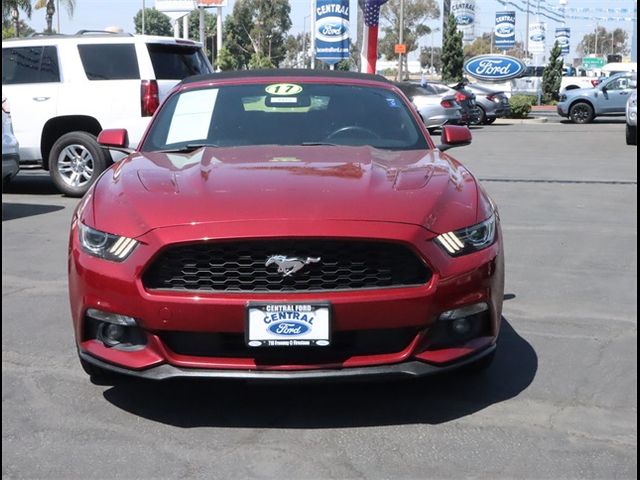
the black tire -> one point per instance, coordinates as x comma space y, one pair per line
75, 161
632, 135
481, 117
581, 112
489, 121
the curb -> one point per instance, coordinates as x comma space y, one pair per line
519, 121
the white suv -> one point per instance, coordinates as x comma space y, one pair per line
65, 89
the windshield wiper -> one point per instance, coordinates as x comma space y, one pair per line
189, 147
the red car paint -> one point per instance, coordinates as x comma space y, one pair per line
273, 192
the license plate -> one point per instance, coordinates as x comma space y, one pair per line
288, 325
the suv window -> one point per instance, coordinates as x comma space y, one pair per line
534, 72
30, 65
620, 83
176, 62
110, 61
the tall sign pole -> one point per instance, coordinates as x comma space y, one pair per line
401, 41
312, 35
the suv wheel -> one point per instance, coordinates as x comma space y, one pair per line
75, 161
632, 135
581, 112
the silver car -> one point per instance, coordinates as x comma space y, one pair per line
10, 146
632, 119
610, 97
491, 104
436, 108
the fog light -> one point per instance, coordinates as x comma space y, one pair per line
114, 318
111, 334
461, 326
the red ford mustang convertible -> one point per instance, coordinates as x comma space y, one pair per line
286, 224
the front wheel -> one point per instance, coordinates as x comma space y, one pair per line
632, 135
489, 121
581, 112
75, 161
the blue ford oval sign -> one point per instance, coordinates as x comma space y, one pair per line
288, 328
494, 67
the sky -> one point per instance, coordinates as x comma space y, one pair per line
99, 14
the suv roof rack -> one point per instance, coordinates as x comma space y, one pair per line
85, 32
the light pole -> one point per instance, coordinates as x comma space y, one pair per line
401, 39
434, 30
304, 41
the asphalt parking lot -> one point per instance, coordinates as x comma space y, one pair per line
560, 401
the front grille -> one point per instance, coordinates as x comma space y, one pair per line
241, 266
344, 345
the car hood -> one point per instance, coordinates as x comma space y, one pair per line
155, 190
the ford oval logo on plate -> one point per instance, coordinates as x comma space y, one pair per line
494, 67
288, 328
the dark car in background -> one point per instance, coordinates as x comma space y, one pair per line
437, 108
491, 104
465, 98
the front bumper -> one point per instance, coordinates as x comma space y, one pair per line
10, 166
410, 369
563, 109
117, 287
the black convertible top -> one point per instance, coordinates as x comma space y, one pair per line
284, 72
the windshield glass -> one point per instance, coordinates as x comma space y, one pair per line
280, 113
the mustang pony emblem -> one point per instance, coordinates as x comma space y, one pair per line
289, 265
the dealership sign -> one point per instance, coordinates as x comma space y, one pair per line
332, 30
494, 68
505, 30
563, 36
537, 37
464, 11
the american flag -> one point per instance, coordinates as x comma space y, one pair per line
371, 9
369, 55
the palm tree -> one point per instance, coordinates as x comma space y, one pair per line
51, 9
12, 8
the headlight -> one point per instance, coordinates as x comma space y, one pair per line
470, 239
105, 245
633, 102
563, 98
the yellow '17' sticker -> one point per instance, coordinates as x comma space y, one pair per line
283, 89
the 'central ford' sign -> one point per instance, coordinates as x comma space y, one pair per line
494, 67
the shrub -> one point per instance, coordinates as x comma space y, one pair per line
521, 105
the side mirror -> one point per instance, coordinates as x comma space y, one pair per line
115, 139
454, 136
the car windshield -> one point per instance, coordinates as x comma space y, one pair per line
283, 113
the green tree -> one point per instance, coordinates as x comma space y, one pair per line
552, 75
50, 6
11, 13
588, 43
429, 54
9, 29
226, 60
155, 23
416, 13
209, 29
297, 51
480, 46
452, 53
258, 27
